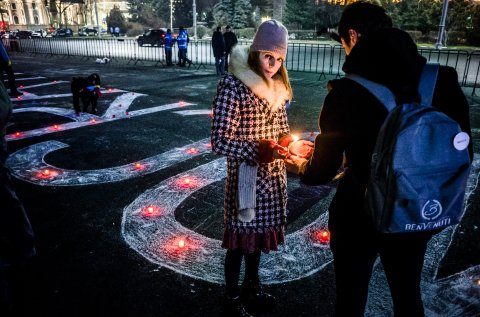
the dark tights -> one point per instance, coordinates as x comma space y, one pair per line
233, 262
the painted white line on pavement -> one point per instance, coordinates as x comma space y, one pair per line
156, 235
194, 112
28, 78
46, 84
75, 125
63, 112
28, 164
30, 96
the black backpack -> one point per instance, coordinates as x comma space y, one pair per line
420, 164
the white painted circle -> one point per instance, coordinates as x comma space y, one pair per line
461, 141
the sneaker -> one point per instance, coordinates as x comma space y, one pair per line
233, 307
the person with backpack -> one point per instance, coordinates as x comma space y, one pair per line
350, 121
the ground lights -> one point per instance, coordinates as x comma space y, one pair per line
151, 211
47, 173
192, 150
322, 236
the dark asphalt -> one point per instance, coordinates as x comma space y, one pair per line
84, 267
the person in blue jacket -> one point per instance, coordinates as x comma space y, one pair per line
6, 66
168, 45
182, 42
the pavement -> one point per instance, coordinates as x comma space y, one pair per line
125, 186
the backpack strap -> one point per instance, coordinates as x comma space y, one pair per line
426, 86
382, 93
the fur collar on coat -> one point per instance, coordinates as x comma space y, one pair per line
274, 91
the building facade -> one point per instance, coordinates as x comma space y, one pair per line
43, 14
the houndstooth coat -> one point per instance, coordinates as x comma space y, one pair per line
246, 109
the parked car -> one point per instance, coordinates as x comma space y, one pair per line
152, 37
64, 32
17, 35
39, 33
88, 30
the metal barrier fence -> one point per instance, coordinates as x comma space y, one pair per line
323, 59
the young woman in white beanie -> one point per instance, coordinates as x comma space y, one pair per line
250, 128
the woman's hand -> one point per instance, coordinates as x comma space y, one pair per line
301, 148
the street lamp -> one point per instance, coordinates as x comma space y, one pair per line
441, 28
194, 7
171, 15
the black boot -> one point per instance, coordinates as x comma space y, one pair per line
233, 307
253, 295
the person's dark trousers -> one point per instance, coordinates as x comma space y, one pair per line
233, 262
16, 240
220, 65
402, 257
182, 56
354, 255
168, 56
11, 76
76, 102
226, 63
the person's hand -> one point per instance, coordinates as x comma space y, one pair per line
280, 152
301, 148
293, 163
286, 140
269, 150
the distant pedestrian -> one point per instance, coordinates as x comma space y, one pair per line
168, 45
16, 234
6, 66
182, 43
218, 46
250, 128
230, 41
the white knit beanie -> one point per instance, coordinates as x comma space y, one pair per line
271, 36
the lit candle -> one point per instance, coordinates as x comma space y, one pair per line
295, 138
138, 166
46, 172
93, 121
181, 244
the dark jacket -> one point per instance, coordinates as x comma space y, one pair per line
351, 117
230, 40
17, 242
218, 44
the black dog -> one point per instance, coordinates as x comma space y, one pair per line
87, 90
